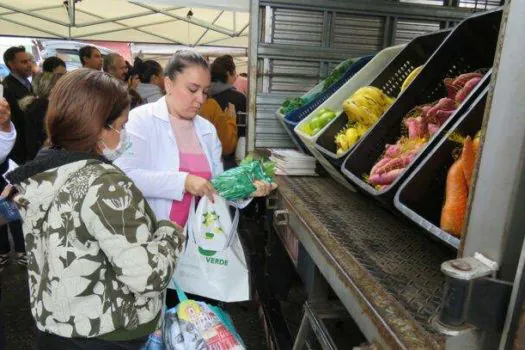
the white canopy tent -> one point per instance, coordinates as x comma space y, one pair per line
180, 22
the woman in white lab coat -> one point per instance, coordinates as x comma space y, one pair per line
174, 151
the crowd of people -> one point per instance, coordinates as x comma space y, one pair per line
109, 157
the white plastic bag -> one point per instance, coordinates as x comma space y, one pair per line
213, 264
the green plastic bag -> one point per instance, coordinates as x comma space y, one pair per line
237, 183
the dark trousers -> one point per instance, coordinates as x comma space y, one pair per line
18, 237
47, 341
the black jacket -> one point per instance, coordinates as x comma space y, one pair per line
35, 131
225, 94
14, 91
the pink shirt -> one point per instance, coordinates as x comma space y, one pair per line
194, 164
192, 160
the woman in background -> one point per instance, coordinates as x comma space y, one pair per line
54, 65
223, 76
151, 75
35, 108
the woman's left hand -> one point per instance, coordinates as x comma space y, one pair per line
263, 188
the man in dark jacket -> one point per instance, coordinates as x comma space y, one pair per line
16, 87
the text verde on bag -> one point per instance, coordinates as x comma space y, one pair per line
209, 253
216, 261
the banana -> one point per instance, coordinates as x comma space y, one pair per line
361, 129
356, 113
410, 78
341, 141
363, 108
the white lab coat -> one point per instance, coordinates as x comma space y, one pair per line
153, 160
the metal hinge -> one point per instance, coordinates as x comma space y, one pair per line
472, 296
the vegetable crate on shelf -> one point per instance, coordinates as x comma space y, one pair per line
291, 119
335, 103
421, 196
471, 46
389, 80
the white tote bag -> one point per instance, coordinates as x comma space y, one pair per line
213, 264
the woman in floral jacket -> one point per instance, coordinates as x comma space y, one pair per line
99, 262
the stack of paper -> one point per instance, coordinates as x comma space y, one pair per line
293, 163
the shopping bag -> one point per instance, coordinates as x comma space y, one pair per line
212, 225
195, 325
213, 265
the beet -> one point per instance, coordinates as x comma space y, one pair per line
392, 151
379, 164
442, 116
385, 178
464, 78
433, 128
467, 89
452, 89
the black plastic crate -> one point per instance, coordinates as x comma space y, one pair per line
421, 196
390, 80
471, 46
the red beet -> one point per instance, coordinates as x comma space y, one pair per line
445, 104
425, 109
432, 129
452, 89
392, 151
385, 178
379, 164
464, 78
400, 162
412, 126
467, 89
442, 116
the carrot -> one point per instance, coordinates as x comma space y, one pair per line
456, 196
468, 156
475, 145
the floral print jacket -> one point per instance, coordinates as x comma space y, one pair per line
99, 262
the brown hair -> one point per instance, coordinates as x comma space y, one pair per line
81, 104
183, 59
221, 67
42, 83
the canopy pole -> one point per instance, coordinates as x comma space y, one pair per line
71, 13
207, 29
126, 27
35, 15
